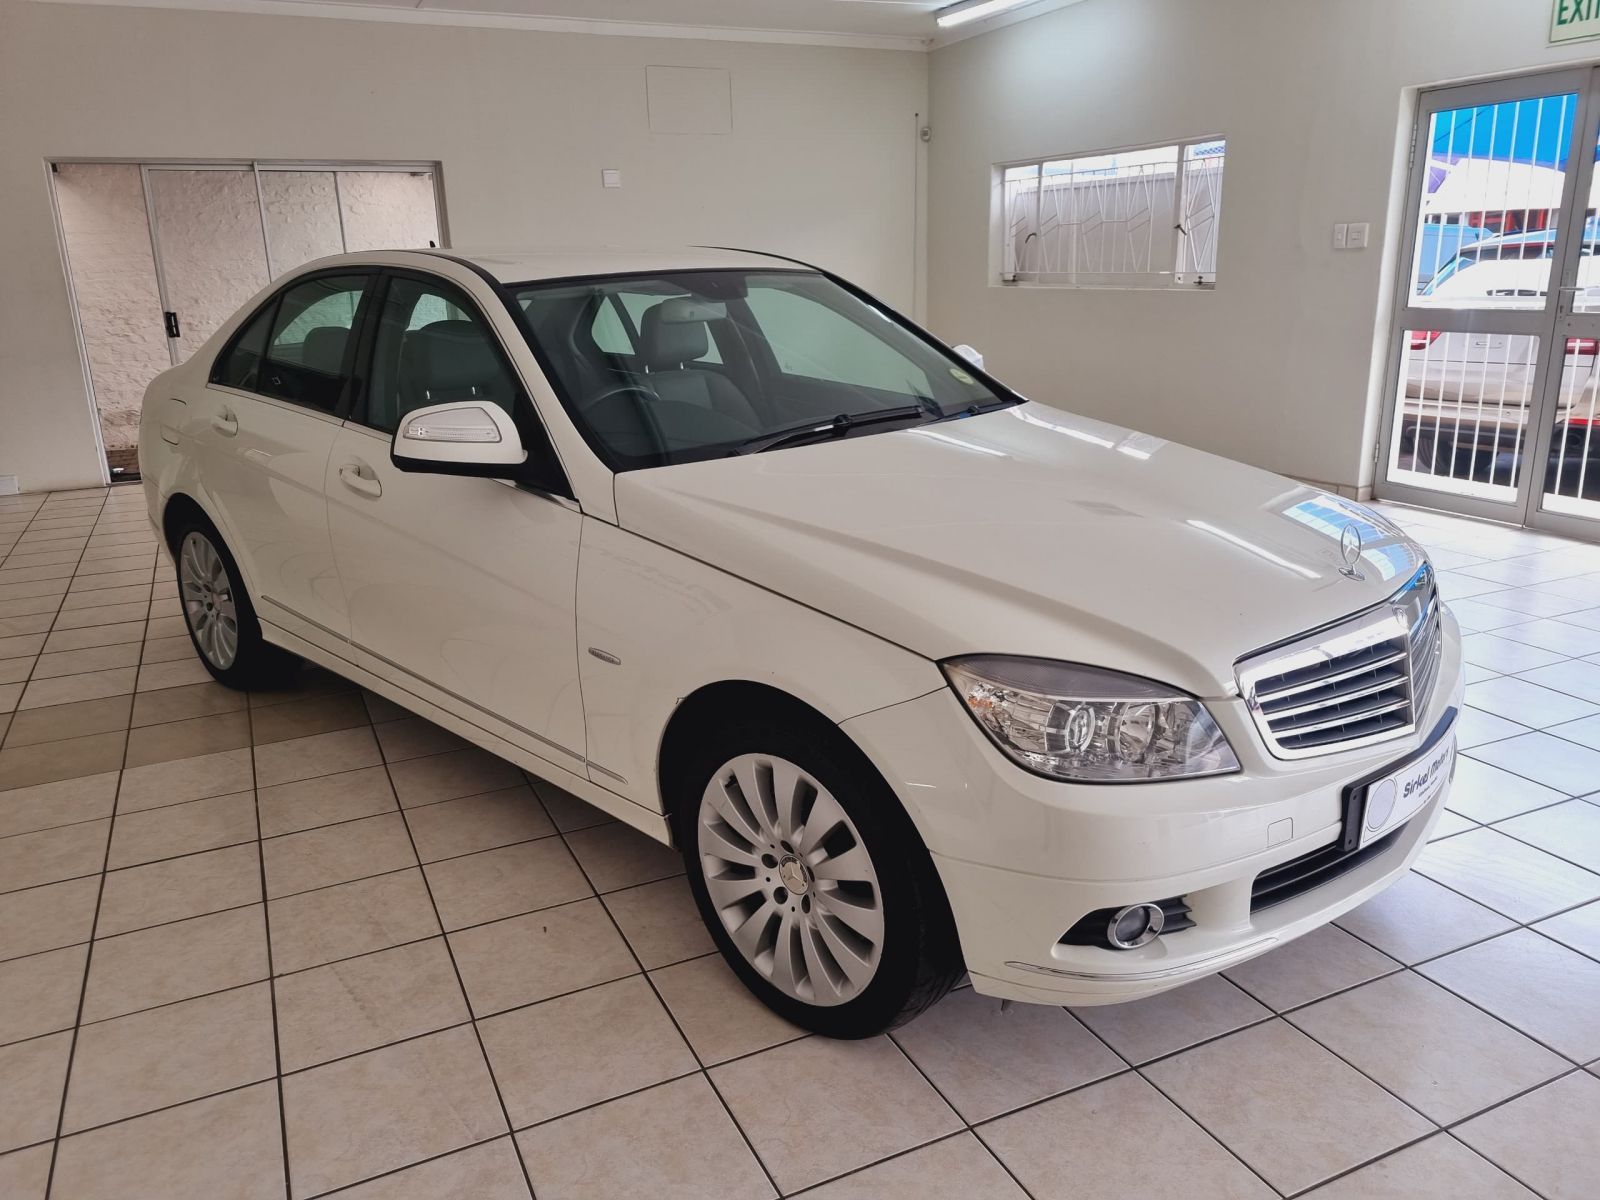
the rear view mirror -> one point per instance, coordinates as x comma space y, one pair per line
971, 355
466, 437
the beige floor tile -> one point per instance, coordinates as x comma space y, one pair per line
91, 658
636, 1146
383, 710
488, 1171
325, 800
469, 772
1579, 929
1058, 1150
228, 1146
472, 823
580, 1049
37, 725
67, 689
164, 1056
1546, 1138
1570, 831
22, 645
985, 1062
957, 1168
1478, 728
842, 1105
361, 1003
170, 649
24, 1174
184, 779
1291, 1110
50, 855
1436, 1052
1416, 918
64, 802
539, 955
389, 1108
405, 736
48, 917
1147, 1029
32, 1076
139, 970
165, 627
618, 856
502, 883
302, 718
349, 919
109, 614
316, 858
1308, 968
719, 1015
39, 994
565, 809
177, 888
661, 922
117, 595
1439, 1168
1544, 758
180, 672
188, 739
95, 635
71, 758
318, 754
188, 828
1544, 989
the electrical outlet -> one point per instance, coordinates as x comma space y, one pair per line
1341, 234
1355, 237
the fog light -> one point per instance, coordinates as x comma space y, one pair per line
1135, 926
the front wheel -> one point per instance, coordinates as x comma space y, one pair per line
221, 620
813, 884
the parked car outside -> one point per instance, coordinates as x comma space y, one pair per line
920, 677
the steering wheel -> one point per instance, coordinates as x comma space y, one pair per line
643, 398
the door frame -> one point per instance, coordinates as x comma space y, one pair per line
1543, 323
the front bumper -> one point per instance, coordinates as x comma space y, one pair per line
1023, 858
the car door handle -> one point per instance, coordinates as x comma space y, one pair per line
360, 478
225, 423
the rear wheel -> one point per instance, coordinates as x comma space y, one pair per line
217, 611
812, 882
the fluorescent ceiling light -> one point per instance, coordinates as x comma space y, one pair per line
973, 10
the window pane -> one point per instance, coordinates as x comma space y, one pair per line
310, 342
240, 367
433, 347
810, 339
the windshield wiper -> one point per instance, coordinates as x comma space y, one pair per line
836, 427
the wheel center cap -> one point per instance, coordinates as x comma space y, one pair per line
793, 875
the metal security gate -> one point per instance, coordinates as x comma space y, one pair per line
1495, 351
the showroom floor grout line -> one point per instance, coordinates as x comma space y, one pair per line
174, 902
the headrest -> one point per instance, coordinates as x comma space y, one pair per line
323, 349
450, 359
673, 332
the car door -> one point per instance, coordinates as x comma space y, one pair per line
460, 589
273, 408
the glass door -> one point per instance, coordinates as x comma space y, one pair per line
211, 256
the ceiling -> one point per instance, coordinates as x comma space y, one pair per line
890, 24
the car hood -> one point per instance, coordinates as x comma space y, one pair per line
1031, 531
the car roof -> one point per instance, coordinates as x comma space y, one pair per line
517, 266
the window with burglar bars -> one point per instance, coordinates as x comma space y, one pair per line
1129, 218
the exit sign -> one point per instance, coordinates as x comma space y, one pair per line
1574, 20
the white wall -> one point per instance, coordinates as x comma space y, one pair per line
1276, 366
821, 162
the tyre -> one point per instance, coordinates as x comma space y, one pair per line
812, 880
1435, 453
218, 614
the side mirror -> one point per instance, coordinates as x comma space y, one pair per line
466, 437
971, 355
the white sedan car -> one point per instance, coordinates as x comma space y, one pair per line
921, 677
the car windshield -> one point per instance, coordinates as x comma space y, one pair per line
681, 366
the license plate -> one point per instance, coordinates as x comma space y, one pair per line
1391, 801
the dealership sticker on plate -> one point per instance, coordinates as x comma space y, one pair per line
1395, 799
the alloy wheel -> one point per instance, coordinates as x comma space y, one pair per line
208, 605
791, 880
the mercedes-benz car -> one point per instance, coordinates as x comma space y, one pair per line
922, 678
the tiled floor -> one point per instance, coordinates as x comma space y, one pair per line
303, 943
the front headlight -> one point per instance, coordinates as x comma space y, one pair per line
1088, 724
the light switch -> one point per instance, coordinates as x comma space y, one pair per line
1341, 233
1356, 236
609, 178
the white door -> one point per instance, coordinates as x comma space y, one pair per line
270, 417
465, 585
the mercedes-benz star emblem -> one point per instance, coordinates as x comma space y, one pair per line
1350, 550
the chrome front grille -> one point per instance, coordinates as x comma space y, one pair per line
1366, 679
